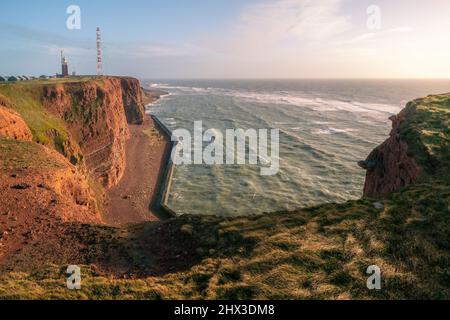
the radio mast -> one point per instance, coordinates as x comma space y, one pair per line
99, 53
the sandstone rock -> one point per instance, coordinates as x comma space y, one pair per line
12, 126
97, 114
21, 186
389, 167
132, 101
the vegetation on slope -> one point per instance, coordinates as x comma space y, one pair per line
427, 131
25, 98
316, 253
48, 128
16, 155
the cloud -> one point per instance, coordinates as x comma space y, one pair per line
377, 35
317, 21
52, 43
145, 49
68, 50
291, 24
40, 37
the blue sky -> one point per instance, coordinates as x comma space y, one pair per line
230, 38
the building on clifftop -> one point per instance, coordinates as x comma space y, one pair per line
64, 66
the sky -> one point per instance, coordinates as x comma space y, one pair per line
158, 39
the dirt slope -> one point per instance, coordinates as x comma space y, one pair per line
12, 125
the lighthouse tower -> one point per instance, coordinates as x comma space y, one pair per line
64, 65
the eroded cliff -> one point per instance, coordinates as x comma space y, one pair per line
415, 150
12, 125
132, 100
96, 114
60, 141
81, 124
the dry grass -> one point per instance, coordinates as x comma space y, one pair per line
318, 253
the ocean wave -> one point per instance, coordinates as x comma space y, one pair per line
158, 85
333, 131
290, 98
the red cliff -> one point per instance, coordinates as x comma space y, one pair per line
390, 166
96, 114
12, 125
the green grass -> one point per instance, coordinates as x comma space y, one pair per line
25, 98
20, 154
316, 253
427, 131
47, 128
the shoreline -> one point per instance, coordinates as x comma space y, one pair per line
135, 198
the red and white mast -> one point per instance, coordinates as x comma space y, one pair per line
99, 53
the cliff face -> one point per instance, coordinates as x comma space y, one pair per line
96, 114
47, 181
57, 138
80, 126
132, 100
389, 167
416, 149
40, 192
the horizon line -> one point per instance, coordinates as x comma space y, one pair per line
287, 78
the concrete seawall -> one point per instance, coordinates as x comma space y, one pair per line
162, 198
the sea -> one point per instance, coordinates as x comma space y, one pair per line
326, 127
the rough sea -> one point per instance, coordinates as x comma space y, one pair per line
326, 127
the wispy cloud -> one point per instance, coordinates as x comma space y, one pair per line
376, 35
286, 23
154, 49
53, 43
39, 37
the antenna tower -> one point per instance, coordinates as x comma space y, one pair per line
99, 53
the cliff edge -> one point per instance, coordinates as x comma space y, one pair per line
416, 150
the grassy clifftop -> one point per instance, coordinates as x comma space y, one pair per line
25, 98
314, 253
317, 253
427, 131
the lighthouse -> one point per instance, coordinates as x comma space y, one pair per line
64, 65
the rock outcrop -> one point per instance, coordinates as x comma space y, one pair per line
57, 142
40, 192
12, 126
389, 167
96, 114
132, 100
48, 180
417, 149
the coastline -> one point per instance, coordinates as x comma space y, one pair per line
50, 222
134, 198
